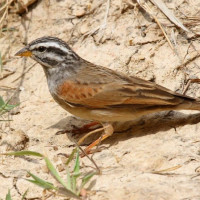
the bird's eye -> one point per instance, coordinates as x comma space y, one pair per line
41, 49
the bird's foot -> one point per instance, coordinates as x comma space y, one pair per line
107, 132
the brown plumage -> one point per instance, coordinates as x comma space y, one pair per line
97, 93
115, 89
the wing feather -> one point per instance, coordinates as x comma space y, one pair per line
107, 88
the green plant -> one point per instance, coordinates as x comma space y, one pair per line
5, 107
8, 196
71, 187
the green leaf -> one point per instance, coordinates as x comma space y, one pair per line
8, 196
69, 183
76, 172
5, 107
24, 195
9, 107
8, 29
2, 102
85, 180
40, 182
73, 184
77, 164
23, 153
53, 171
71, 156
45, 186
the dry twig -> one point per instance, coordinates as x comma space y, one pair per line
103, 25
6, 6
188, 84
168, 14
150, 12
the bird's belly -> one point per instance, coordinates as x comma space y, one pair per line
103, 115
115, 114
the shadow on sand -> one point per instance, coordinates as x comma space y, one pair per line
150, 124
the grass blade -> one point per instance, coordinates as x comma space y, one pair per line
2, 102
5, 107
86, 179
23, 153
71, 156
77, 164
40, 182
53, 171
76, 172
55, 174
8, 196
69, 182
24, 195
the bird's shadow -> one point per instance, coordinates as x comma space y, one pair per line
147, 125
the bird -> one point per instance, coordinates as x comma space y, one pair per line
97, 93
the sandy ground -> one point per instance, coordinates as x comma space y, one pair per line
159, 157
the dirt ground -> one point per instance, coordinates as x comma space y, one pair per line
159, 158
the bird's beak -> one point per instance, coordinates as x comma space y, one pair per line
24, 52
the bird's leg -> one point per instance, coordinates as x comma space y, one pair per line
108, 131
81, 140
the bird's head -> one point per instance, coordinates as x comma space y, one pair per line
50, 52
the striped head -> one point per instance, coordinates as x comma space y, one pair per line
50, 52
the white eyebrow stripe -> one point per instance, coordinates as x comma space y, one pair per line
50, 44
53, 56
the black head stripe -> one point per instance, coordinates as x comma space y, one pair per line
56, 50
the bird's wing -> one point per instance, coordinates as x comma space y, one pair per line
107, 88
